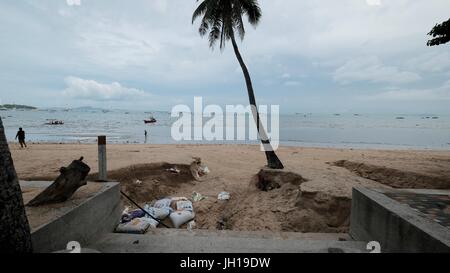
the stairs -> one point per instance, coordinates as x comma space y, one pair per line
204, 241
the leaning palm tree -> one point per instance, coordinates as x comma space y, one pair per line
222, 19
14, 228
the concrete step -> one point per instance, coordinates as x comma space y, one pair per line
204, 241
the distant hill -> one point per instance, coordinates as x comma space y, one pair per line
17, 107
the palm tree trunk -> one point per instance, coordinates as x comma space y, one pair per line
273, 161
14, 229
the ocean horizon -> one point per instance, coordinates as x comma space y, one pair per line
339, 130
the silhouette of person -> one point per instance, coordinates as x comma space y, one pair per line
21, 136
145, 134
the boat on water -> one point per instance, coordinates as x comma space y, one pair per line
54, 122
150, 120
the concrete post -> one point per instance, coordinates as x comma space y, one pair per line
102, 167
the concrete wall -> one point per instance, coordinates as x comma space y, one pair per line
84, 223
398, 228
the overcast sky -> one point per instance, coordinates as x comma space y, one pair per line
305, 55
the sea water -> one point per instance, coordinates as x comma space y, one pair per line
348, 130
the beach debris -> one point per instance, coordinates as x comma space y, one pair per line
198, 170
191, 225
159, 213
185, 205
223, 196
138, 182
126, 210
173, 170
135, 226
179, 218
163, 203
197, 197
70, 179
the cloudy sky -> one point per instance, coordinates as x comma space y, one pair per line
306, 55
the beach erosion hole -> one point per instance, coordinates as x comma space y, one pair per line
274, 201
145, 183
395, 178
270, 179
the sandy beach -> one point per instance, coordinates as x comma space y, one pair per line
319, 204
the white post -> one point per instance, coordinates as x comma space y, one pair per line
102, 169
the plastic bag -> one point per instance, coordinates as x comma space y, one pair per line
178, 218
223, 195
135, 226
152, 222
185, 205
163, 203
159, 213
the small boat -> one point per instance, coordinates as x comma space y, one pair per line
54, 122
151, 120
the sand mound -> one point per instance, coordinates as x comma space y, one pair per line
396, 178
285, 207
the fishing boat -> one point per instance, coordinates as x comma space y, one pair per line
150, 120
54, 122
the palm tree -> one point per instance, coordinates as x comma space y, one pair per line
440, 34
222, 18
14, 229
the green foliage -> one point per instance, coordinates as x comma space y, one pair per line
222, 18
440, 34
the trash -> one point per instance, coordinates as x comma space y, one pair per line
198, 170
135, 226
196, 197
203, 170
178, 218
137, 213
163, 203
191, 225
224, 196
151, 222
126, 210
185, 205
158, 213
173, 170
138, 182
127, 215
174, 201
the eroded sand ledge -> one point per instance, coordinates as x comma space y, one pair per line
321, 203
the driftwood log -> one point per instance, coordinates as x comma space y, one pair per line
70, 179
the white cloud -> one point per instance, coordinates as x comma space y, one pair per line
78, 88
371, 69
292, 83
437, 94
432, 61
373, 2
73, 2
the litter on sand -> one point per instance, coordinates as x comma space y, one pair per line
179, 210
224, 196
173, 170
198, 170
135, 226
197, 197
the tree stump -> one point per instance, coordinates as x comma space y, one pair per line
70, 179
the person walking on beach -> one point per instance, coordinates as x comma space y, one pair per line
21, 135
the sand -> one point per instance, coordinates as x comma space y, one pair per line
320, 202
